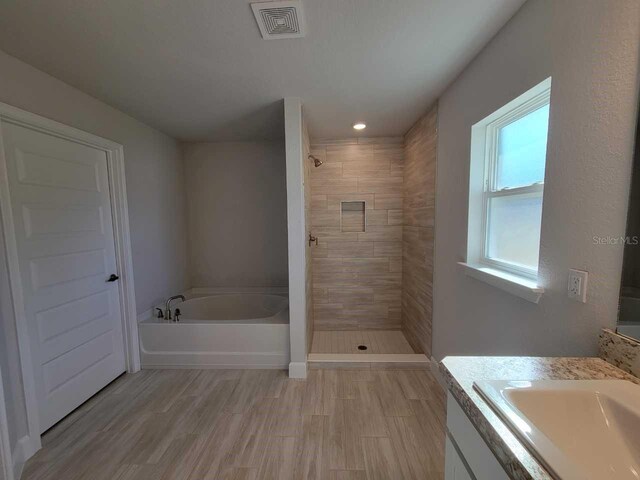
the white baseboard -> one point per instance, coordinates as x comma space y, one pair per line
298, 370
25, 448
221, 366
214, 360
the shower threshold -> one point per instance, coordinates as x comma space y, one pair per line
368, 360
363, 349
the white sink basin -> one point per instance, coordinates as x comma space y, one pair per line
578, 429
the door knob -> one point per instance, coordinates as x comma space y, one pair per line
113, 277
313, 239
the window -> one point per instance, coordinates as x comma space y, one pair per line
508, 156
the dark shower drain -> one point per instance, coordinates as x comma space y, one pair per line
362, 347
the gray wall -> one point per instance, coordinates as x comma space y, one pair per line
237, 204
154, 171
155, 190
590, 48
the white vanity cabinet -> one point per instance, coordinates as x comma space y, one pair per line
467, 456
454, 466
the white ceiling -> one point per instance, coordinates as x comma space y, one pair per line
199, 69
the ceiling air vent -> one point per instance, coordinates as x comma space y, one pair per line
279, 19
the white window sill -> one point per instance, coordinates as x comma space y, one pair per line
518, 286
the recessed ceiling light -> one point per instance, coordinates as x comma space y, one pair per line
360, 126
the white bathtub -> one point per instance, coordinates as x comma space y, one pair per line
220, 331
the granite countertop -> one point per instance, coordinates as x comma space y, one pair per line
460, 373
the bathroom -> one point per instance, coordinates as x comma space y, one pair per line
303, 239
370, 240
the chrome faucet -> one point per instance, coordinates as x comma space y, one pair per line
167, 310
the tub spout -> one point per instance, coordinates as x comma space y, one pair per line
167, 310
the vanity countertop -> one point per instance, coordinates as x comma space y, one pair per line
460, 373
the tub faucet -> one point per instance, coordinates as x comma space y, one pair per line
167, 310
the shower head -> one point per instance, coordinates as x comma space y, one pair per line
316, 161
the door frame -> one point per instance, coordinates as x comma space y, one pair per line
6, 462
117, 190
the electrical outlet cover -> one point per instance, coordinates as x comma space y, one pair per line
577, 286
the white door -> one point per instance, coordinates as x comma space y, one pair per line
64, 233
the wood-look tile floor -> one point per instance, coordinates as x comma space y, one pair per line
252, 424
347, 341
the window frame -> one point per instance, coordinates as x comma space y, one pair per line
483, 179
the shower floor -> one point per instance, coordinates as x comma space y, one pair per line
348, 341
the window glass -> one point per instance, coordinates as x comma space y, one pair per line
522, 149
514, 229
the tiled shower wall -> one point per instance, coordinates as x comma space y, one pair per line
418, 231
357, 276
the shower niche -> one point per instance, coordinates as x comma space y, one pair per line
352, 217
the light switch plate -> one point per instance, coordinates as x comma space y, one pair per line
577, 287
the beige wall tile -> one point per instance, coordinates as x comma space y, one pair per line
326, 170
323, 142
396, 170
370, 169
399, 141
390, 296
365, 265
395, 217
387, 249
333, 279
377, 217
326, 186
324, 218
388, 201
395, 314
395, 264
351, 296
318, 202
418, 221
390, 185
324, 265
349, 153
375, 313
358, 275
333, 316
392, 280
334, 201
353, 265
318, 151
319, 251
334, 234
381, 233
320, 296
350, 249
